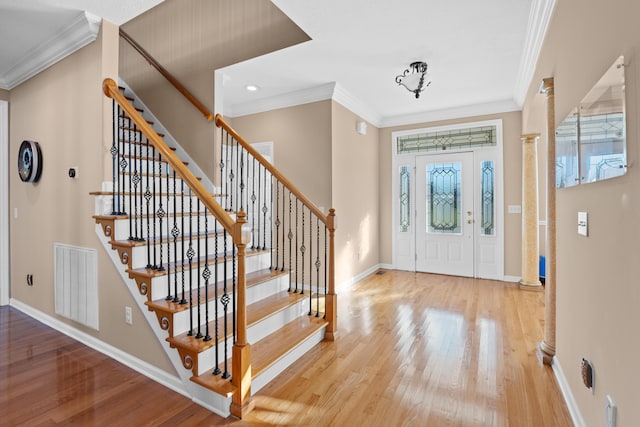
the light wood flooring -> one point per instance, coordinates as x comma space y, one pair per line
412, 350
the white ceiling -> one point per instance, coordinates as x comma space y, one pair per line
480, 54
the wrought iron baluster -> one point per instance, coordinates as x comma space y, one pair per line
277, 224
232, 176
234, 290
141, 169
114, 156
216, 370
175, 232
272, 202
225, 308
161, 212
242, 180
222, 180
206, 274
190, 254
182, 252
124, 164
297, 225
252, 181
264, 212
155, 210
317, 267
148, 196
169, 296
326, 237
259, 205
290, 236
310, 262
302, 251
283, 218
134, 179
199, 334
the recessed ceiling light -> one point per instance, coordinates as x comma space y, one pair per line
251, 88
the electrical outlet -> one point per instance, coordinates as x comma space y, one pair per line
128, 316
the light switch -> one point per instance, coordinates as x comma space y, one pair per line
583, 226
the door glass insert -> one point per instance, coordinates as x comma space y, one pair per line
487, 217
405, 198
443, 198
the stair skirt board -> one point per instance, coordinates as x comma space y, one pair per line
76, 284
212, 401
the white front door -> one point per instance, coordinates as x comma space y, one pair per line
445, 214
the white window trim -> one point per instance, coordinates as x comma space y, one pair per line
409, 158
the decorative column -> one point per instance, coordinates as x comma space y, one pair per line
530, 241
547, 348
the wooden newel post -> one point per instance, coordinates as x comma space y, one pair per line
241, 403
331, 298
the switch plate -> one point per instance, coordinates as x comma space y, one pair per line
128, 316
610, 412
514, 209
583, 224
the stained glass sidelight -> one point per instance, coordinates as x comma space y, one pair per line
443, 198
487, 218
405, 201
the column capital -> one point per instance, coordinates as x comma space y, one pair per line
547, 87
530, 137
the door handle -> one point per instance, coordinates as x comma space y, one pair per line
469, 213
469, 221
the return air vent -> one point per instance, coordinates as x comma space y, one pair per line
76, 284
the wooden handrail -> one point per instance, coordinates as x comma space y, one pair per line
219, 121
167, 75
110, 89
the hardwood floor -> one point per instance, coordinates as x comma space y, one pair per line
412, 350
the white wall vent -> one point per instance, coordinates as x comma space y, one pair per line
76, 284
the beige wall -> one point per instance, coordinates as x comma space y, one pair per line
316, 146
4, 95
62, 109
512, 160
355, 192
598, 296
301, 139
192, 39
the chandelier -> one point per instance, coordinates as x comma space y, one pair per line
413, 78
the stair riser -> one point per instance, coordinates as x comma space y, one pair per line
104, 205
121, 226
254, 293
139, 253
159, 181
206, 359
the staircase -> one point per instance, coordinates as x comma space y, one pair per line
237, 284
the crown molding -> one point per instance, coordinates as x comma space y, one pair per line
290, 99
353, 104
539, 18
79, 33
496, 107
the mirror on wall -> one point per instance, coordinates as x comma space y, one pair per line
591, 141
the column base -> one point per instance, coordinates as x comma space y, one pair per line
531, 286
545, 353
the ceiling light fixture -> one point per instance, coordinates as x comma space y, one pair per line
413, 78
251, 88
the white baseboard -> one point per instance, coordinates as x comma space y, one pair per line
162, 377
574, 411
355, 279
511, 279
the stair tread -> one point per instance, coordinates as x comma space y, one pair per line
255, 313
144, 144
127, 193
136, 130
253, 279
266, 352
124, 116
158, 175
151, 159
145, 216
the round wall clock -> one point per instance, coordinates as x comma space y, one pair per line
29, 161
